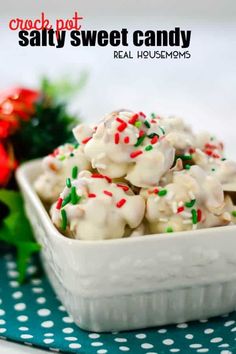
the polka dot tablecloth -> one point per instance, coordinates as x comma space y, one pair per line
32, 314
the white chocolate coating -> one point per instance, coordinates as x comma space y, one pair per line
56, 168
103, 211
203, 195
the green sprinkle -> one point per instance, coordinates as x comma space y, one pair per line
153, 115
140, 140
194, 216
184, 157
64, 219
187, 167
138, 124
190, 204
162, 193
149, 147
169, 229
74, 197
71, 155
148, 125
223, 159
212, 138
68, 182
61, 158
234, 213
163, 131
66, 200
76, 145
213, 169
152, 135
74, 172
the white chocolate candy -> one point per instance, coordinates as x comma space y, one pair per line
56, 168
98, 209
193, 200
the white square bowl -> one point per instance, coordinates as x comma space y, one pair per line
132, 283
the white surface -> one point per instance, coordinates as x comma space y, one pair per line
14, 348
186, 276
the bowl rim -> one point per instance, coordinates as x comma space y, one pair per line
22, 173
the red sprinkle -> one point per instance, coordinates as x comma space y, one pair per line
55, 152
59, 203
216, 156
199, 215
208, 152
126, 140
86, 140
92, 195
192, 150
135, 154
154, 139
108, 193
122, 127
120, 120
210, 146
153, 121
180, 209
133, 119
141, 133
97, 175
142, 114
155, 190
120, 203
117, 138
125, 188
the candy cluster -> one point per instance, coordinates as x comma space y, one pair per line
132, 175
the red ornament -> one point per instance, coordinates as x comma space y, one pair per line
15, 105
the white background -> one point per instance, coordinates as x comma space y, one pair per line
202, 89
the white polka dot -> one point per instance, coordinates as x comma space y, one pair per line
43, 312
168, 342
62, 308
124, 349
96, 344
48, 334
23, 328
203, 350
20, 306
22, 318
226, 352
195, 346
41, 300
203, 321
47, 324
48, 340
209, 331
94, 335
121, 340
216, 340
174, 350
224, 345
233, 329
229, 323
182, 325
67, 319
14, 283
67, 330
74, 345
13, 273
26, 336
36, 281
17, 295
2, 322
11, 265
2, 312
3, 330
71, 338
31, 269
141, 336
146, 346
163, 330
37, 290
102, 351
189, 336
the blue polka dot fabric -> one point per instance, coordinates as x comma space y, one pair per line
32, 314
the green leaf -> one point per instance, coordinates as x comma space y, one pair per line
16, 230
